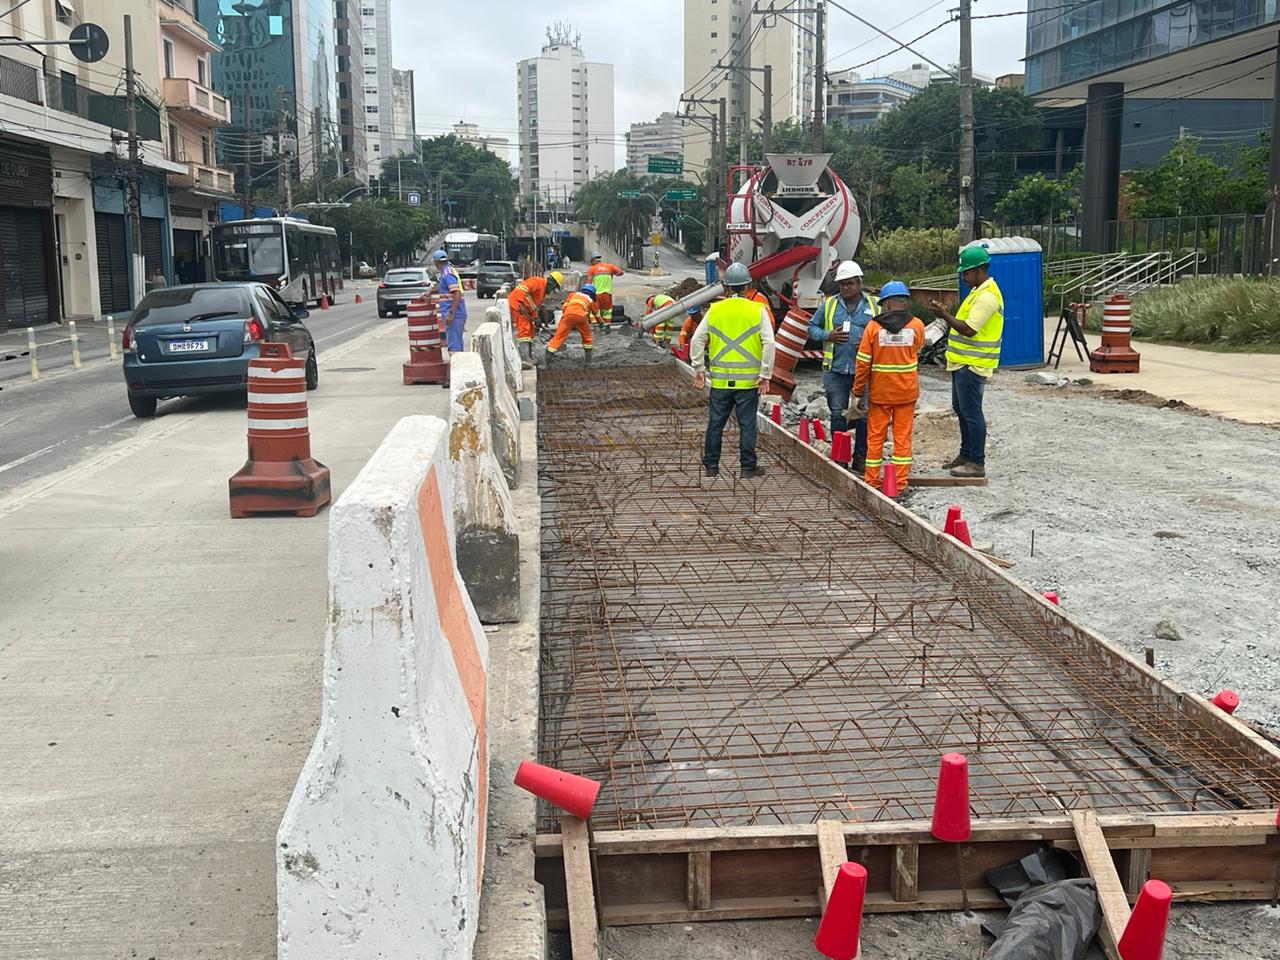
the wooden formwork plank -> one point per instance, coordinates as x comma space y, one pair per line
698, 884
1137, 868
904, 882
1111, 896
579, 893
831, 853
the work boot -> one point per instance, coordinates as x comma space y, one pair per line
858, 465
711, 471
546, 360
966, 469
756, 471
526, 354
953, 462
587, 355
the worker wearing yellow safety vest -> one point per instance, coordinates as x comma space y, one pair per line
737, 333
664, 331
600, 275
973, 353
838, 324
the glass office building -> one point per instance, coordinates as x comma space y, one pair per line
274, 53
1071, 43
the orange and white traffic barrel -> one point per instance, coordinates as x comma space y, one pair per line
427, 363
1115, 354
789, 343
280, 475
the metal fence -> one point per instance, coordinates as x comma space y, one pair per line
1227, 244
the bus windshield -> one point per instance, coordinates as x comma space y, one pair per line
243, 255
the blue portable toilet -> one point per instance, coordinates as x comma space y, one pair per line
712, 268
1016, 267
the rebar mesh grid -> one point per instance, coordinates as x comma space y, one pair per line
723, 652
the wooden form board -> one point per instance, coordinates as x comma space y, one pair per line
683, 875
580, 897
1096, 856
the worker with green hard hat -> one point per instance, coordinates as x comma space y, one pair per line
973, 353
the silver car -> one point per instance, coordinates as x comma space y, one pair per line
398, 287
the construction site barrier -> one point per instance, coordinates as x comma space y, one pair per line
504, 411
427, 362
514, 374
1115, 354
789, 343
381, 849
280, 475
488, 547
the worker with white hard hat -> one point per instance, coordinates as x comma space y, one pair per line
838, 324
733, 347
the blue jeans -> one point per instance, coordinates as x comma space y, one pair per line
453, 332
838, 386
724, 402
966, 401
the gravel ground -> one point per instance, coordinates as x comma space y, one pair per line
1157, 527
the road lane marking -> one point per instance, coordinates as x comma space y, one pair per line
36, 454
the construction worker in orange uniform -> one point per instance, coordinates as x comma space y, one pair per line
886, 368
693, 317
579, 313
600, 275
663, 332
525, 302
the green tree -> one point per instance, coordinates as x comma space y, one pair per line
1184, 183
1037, 199
370, 229
472, 186
921, 196
616, 217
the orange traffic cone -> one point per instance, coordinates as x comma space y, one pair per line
359, 299
426, 359
1143, 937
837, 935
324, 302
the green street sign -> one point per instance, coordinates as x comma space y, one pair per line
629, 194
666, 164
682, 195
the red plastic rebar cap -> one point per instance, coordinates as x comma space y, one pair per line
837, 935
841, 447
1143, 937
568, 791
1226, 700
951, 803
953, 514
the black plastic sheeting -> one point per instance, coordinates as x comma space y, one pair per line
1054, 912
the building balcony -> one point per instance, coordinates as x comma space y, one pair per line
197, 102
201, 178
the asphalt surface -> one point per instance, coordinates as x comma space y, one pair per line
51, 423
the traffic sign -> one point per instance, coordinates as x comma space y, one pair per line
89, 42
414, 199
655, 239
665, 164
629, 194
682, 194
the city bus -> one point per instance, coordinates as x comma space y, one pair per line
468, 250
299, 259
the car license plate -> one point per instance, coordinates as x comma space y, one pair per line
188, 346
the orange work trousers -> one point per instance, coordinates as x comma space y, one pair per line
879, 416
524, 327
570, 322
604, 303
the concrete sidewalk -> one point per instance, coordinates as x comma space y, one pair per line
1240, 386
160, 667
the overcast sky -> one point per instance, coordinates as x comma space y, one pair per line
464, 60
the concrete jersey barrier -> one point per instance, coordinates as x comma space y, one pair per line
380, 852
504, 411
488, 546
515, 375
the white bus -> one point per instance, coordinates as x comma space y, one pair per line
299, 259
468, 250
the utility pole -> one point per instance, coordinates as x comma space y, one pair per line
319, 155
722, 166
966, 123
138, 266
399, 181
248, 148
819, 74
284, 187
767, 133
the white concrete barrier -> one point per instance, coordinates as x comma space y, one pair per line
504, 412
380, 852
488, 545
515, 375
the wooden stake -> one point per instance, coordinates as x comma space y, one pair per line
578, 889
832, 853
1100, 866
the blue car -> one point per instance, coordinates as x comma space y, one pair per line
198, 339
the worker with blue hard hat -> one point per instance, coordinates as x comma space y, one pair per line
580, 310
452, 307
886, 372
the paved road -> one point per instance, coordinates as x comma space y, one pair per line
52, 423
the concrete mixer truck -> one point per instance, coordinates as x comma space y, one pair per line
789, 222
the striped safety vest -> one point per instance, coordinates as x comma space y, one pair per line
734, 348
828, 318
663, 331
983, 350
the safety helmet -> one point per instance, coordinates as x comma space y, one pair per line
848, 270
737, 275
596, 256
556, 277
972, 256
694, 311
439, 256
894, 288
588, 289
